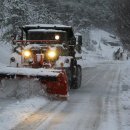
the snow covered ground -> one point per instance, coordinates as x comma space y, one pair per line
13, 110
19, 111
125, 95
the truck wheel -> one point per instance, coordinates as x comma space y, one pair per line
69, 76
76, 82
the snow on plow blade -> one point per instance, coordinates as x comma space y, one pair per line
55, 80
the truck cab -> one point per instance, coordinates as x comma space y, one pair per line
49, 46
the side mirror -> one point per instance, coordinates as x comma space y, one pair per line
80, 40
73, 41
79, 43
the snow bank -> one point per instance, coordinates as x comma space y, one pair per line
102, 48
104, 43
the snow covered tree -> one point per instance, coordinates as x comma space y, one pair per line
1, 12
38, 12
122, 11
78, 13
15, 13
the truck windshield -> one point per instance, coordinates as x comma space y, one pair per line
60, 36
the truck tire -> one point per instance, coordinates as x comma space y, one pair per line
69, 76
76, 81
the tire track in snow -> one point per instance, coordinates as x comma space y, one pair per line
85, 109
111, 115
79, 110
94, 120
43, 115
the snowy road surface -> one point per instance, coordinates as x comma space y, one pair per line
95, 106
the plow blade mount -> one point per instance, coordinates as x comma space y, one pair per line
59, 87
55, 80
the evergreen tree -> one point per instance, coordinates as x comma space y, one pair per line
122, 11
15, 13
78, 13
1, 13
38, 13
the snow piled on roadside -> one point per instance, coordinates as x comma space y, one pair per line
19, 111
102, 50
101, 43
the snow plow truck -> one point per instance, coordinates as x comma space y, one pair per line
49, 53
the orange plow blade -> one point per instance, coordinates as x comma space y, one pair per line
59, 86
56, 81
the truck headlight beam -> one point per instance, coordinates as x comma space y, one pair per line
26, 53
51, 54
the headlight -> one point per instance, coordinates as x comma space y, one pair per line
26, 53
57, 37
51, 54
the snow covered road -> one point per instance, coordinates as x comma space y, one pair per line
95, 106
